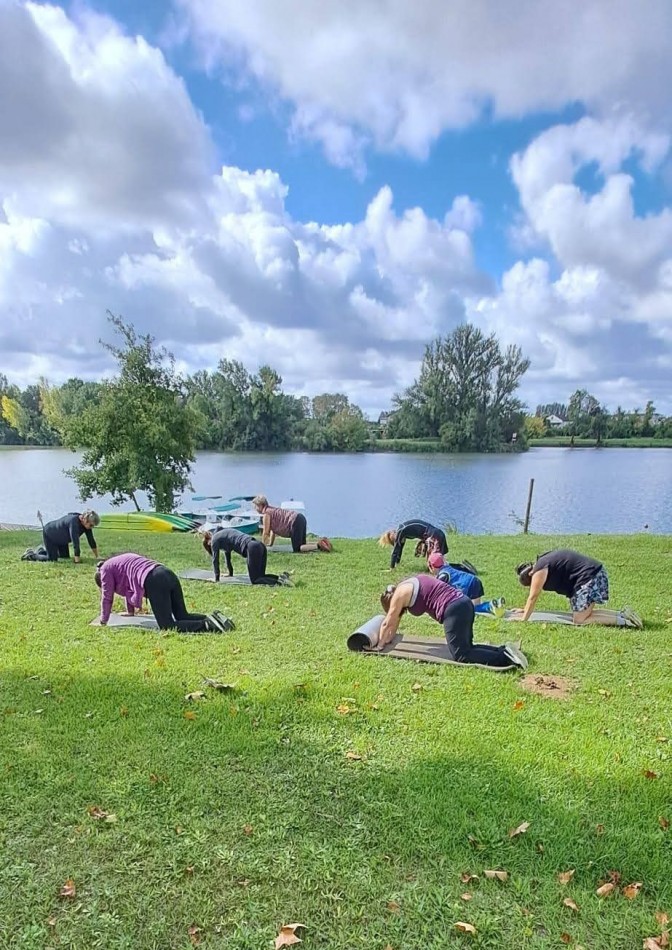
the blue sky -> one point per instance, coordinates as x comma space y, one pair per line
328, 188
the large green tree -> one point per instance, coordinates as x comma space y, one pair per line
139, 435
465, 393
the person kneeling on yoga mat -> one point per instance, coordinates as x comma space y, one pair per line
135, 577
424, 594
580, 578
470, 584
286, 523
59, 534
430, 539
254, 551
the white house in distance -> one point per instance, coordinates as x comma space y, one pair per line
555, 422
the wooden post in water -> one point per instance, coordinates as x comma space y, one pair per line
529, 506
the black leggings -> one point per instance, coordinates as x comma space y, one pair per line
299, 530
55, 552
458, 625
256, 564
164, 593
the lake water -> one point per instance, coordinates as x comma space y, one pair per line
576, 490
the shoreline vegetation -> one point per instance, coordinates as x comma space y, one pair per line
378, 802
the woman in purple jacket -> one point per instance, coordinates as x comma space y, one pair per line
134, 577
425, 594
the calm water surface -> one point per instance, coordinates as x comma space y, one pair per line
576, 490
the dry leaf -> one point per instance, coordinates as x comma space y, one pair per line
189, 869
68, 889
568, 902
194, 932
466, 896
343, 709
215, 684
467, 878
287, 936
417, 687
248, 829
198, 694
519, 703
614, 876
520, 830
51, 922
123, 711
663, 822
662, 918
393, 907
464, 928
647, 773
605, 890
565, 937
499, 875
353, 756
565, 876
188, 714
662, 739
630, 891
656, 943
599, 829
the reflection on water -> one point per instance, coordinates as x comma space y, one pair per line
576, 490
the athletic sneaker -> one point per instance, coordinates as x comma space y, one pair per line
631, 618
284, 580
516, 655
324, 544
214, 624
226, 622
498, 607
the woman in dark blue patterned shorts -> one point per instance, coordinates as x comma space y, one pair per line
580, 578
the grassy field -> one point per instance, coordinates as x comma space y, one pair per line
356, 795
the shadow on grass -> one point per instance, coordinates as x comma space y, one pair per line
250, 814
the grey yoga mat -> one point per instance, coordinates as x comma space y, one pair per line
406, 647
117, 620
199, 574
539, 616
287, 549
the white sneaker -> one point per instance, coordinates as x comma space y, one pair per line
516, 655
631, 618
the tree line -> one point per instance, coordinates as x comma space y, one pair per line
583, 417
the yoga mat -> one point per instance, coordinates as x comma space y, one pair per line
146, 621
407, 647
288, 549
539, 616
199, 574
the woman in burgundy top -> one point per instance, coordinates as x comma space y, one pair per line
286, 523
447, 605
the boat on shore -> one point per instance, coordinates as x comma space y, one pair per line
146, 521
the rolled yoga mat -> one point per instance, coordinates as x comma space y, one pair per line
406, 647
199, 574
146, 621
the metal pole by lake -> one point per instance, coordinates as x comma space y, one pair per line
529, 506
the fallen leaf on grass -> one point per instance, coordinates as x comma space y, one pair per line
215, 684
599, 829
248, 829
189, 870
287, 936
198, 694
565, 876
123, 711
663, 822
630, 891
520, 830
647, 773
68, 890
194, 934
51, 922
662, 739
188, 714
464, 928
417, 687
466, 896
95, 811
614, 877
605, 889
656, 943
353, 756
393, 907
475, 843
344, 709
467, 878
499, 875
568, 902
565, 937
662, 918
519, 703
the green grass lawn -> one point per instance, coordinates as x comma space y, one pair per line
352, 794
